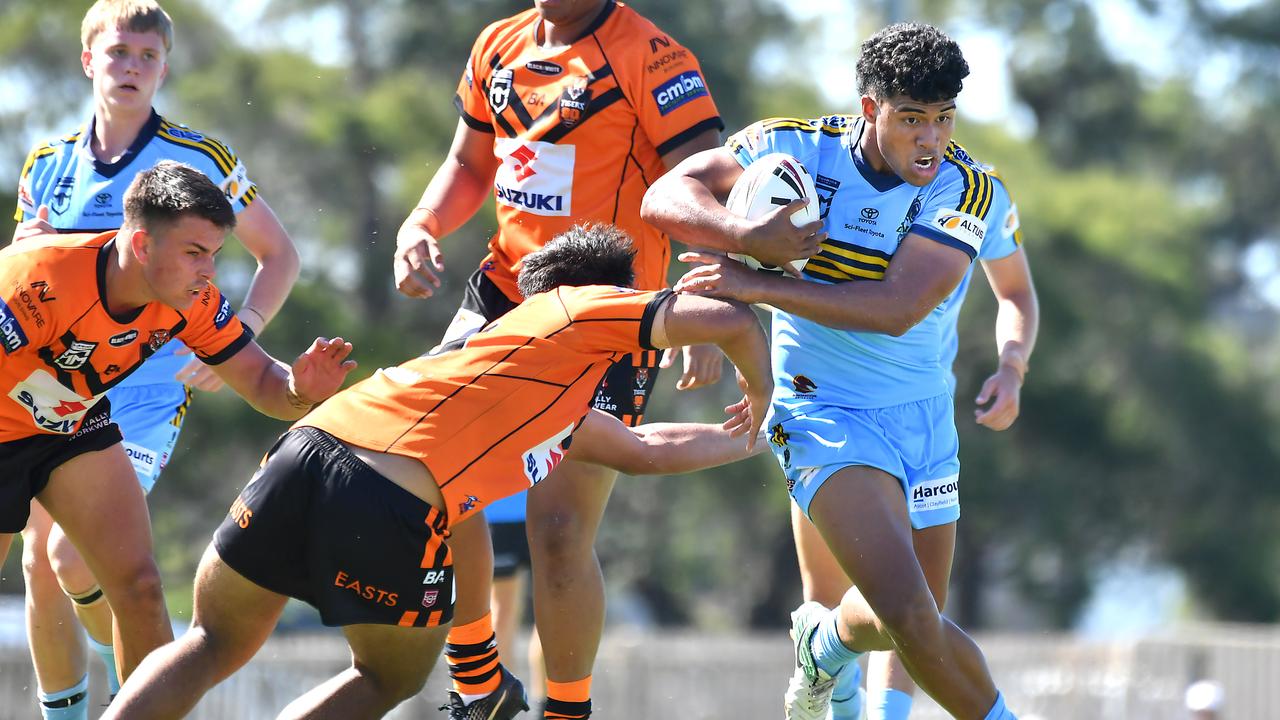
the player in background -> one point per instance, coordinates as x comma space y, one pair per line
75, 184
79, 313
861, 420
401, 457
511, 566
1004, 262
569, 111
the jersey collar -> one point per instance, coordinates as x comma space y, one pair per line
110, 170
882, 182
605, 13
104, 256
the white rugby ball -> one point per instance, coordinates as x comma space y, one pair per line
770, 182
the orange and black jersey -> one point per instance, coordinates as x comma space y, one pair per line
61, 350
492, 415
580, 130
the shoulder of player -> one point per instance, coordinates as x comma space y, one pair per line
181, 137
501, 33
975, 181
51, 147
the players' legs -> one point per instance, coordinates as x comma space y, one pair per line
54, 637
96, 499
823, 581
861, 514
80, 586
563, 516
564, 513
889, 685
507, 601
389, 665
231, 619
822, 577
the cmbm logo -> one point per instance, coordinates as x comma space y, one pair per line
224, 313
679, 90
11, 334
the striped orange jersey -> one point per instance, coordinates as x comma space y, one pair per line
491, 415
580, 130
61, 348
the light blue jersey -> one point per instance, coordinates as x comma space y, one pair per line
1003, 239
866, 214
86, 195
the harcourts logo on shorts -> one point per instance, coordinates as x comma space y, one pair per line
679, 90
534, 177
936, 494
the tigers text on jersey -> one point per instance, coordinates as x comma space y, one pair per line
61, 349
866, 215
86, 195
580, 130
492, 414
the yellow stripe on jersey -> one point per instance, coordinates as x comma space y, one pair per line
827, 249
787, 123
978, 190
214, 149
827, 267
36, 154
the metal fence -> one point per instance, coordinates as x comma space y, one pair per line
700, 677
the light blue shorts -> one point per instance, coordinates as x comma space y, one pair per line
150, 418
915, 442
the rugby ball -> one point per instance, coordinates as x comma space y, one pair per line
770, 182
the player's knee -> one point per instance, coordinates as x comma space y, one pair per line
560, 537
393, 688
68, 566
136, 584
41, 582
914, 622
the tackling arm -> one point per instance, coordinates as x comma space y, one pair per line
655, 448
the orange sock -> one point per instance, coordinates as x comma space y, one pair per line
472, 654
568, 701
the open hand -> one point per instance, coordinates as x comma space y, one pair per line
320, 371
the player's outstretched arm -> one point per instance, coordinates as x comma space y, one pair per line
455, 193
692, 320
688, 204
1017, 324
288, 392
656, 448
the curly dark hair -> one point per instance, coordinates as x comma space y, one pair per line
911, 59
582, 255
162, 194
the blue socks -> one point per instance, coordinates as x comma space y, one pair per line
889, 704
108, 654
848, 698
69, 704
999, 711
828, 652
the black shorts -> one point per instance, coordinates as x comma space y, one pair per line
27, 463
317, 524
624, 391
510, 548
